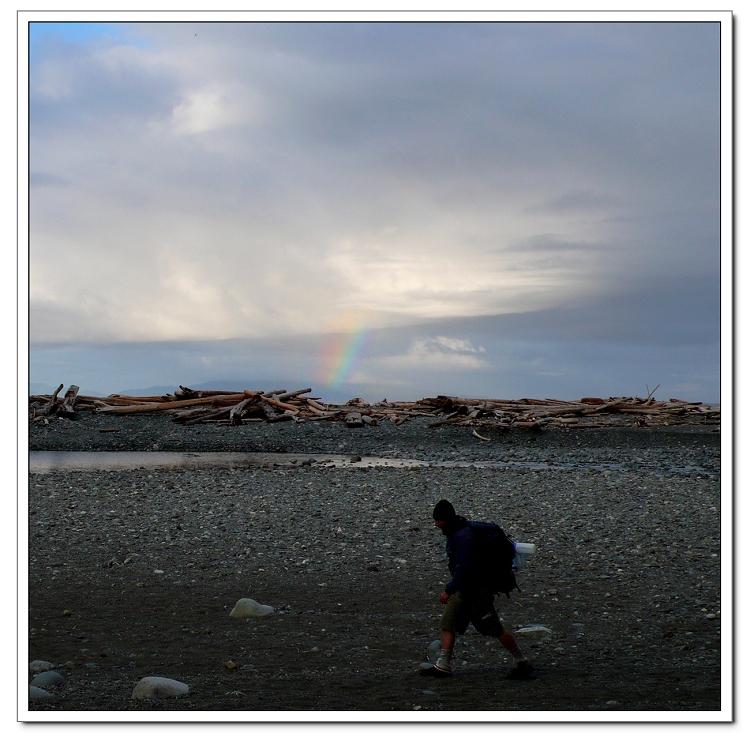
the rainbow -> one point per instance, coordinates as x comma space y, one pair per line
350, 333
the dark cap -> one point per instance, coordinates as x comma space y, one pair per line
443, 511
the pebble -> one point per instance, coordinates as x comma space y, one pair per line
250, 608
433, 650
159, 687
40, 666
48, 679
38, 692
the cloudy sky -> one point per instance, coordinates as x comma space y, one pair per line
386, 209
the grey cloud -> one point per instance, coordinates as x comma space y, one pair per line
37, 179
74, 86
583, 200
684, 313
549, 243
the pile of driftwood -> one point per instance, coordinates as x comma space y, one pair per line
44, 407
530, 413
234, 408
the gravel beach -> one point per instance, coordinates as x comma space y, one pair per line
133, 572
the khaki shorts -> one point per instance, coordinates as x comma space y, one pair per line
479, 611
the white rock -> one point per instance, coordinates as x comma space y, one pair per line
539, 632
40, 666
159, 687
250, 608
354, 419
38, 692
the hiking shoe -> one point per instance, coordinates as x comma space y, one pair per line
435, 671
522, 670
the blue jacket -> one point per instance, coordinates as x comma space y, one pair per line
463, 559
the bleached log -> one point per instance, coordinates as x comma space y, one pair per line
182, 416
169, 405
235, 413
527, 424
280, 404
287, 396
67, 407
354, 420
53, 405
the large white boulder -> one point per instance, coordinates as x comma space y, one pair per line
159, 687
250, 608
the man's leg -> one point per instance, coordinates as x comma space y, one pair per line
486, 621
523, 667
452, 621
447, 642
509, 642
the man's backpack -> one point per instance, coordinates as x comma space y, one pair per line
496, 558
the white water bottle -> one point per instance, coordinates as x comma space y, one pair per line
523, 551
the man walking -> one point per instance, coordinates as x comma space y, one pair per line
466, 597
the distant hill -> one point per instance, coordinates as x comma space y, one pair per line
39, 388
341, 394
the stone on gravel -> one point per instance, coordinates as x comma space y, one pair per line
48, 679
38, 692
250, 608
539, 632
433, 650
37, 666
150, 688
354, 420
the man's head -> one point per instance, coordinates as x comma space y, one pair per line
443, 514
